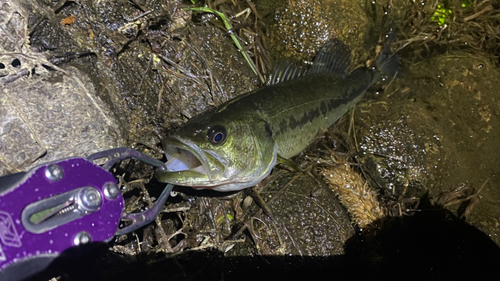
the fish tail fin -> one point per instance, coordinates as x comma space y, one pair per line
388, 62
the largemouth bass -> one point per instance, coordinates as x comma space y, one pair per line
237, 144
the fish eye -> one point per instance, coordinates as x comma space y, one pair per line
217, 135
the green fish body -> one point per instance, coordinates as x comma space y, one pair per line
236, 145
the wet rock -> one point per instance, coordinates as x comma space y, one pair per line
150, 73
47, 113
399, 146
308, 220
434, 132
153, 72
51, 116
300, 27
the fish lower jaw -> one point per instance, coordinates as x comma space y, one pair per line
227, 185
221, 187
230, 186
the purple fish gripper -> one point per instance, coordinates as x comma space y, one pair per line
25, 237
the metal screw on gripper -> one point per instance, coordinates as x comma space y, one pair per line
54, 172
89, 199
82, 238
110, 190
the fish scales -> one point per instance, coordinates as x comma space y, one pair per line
297, 110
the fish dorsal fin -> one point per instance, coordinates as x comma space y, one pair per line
286, 71
334, 56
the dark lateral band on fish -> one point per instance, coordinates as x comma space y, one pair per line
236, 145
325, 106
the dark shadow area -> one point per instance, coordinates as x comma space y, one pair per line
69, 265
433, 244
203, 192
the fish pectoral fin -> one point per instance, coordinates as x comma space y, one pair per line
289, 163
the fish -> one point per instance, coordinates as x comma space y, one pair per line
236, 145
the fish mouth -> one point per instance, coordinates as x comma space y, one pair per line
187, 164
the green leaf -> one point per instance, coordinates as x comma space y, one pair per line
441, 14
